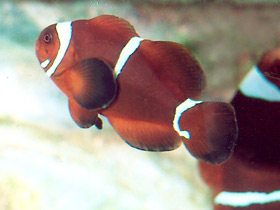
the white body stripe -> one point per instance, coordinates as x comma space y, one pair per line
64, 32
255, 85
243, 199
45, 63
127, 51
187, 104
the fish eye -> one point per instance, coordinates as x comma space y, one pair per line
276, 67
47, 38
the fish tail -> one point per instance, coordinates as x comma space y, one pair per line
208, 129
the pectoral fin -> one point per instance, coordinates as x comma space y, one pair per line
92, 84
82, 117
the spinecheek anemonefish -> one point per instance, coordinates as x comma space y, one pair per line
148, 90
250, 179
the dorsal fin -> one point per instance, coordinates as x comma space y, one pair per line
92, 84
176, 67
115, 24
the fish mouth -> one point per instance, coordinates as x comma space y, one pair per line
45, 63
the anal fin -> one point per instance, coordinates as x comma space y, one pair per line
145, 135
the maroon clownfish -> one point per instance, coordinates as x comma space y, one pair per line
146, 89
250, 179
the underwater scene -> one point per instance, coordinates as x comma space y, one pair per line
140, 105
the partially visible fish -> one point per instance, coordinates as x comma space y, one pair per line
148, 90
250, 179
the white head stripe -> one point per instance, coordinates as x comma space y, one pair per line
64, 32
187, 104
255, 85
242, 199
45, 63
127, 51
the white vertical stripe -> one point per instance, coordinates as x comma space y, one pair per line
255, 85
127, 51
243, 199
64, 32
187, 104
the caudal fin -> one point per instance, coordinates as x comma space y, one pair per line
212, 131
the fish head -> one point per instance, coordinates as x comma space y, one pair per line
53, 48
47, 46
269, 65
